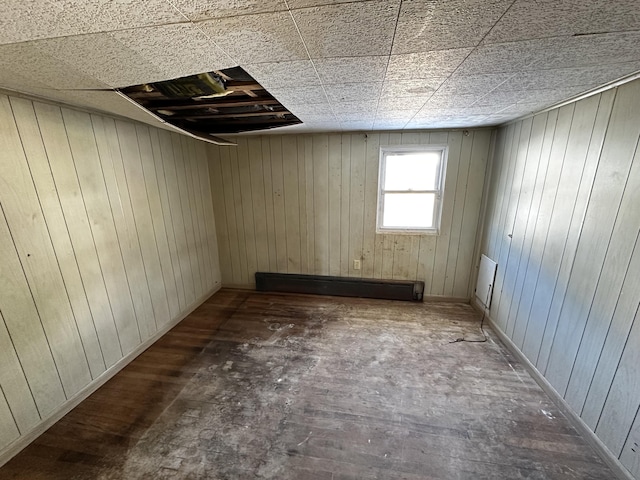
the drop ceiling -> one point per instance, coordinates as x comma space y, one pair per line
335, 64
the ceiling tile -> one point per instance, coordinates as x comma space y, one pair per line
365, 106
504, 57
40, 68
105, 16
356, 116
175, 50
310, 109
553, 18
589, 50
284, 74
425, 25
260, 38
315, 3
349, 29
351, 69
395, 115
390, 124
101, 56
24, 20
401, 103
306, 95
440, 63
413, 88
473, 84
441, 100
356, 125
568, 77
352, 92
206, 9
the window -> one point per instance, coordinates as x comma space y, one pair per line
411, 184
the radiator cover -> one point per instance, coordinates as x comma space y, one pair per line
340, 286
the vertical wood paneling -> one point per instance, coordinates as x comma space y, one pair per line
277, 183
244, 171
321, 203
151, 160
577, 306
15, 385
335, 201
292, 202
162, 154
86, 165
308, 204
8, 428
37, 258
89, 213
36, 157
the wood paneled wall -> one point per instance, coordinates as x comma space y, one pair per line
562, 222
107, 237
307, 204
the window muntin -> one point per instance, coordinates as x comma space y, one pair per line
410, 188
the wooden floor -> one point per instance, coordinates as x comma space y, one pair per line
299, 387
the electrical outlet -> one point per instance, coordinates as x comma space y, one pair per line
356, 264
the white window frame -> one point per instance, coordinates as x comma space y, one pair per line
439, 191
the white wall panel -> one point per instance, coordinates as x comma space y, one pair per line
93, 250
563, 223
307, 204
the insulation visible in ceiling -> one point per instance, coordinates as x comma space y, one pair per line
210, 103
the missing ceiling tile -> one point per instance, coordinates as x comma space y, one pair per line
212, 103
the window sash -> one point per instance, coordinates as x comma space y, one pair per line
438, 193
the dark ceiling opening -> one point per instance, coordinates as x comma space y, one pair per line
210, 103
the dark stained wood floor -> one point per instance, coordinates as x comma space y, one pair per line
285, 387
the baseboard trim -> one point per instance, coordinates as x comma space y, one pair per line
592, 439
23, 441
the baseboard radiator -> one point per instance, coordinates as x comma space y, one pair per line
340, 286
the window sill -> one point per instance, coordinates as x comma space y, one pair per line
406, 231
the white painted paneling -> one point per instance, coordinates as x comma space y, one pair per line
307, 204
574, 299
88, 250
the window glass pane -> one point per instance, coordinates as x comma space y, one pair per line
412, 210
414, 171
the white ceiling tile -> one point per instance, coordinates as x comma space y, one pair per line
391, 103
589, 50
553, 18
419, 87
283, 74
352, 92
306, 95
23, 20
101, 56
105, 16
356, 116
395, 115
351, 69
260, 38
356, 125
389, 124
439, 100
293, 4
459, 84
440, 63
40, 68
365, 106
504, 57
175, 50
206, 9
349, 29
425, 25
568, 77
311, 109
